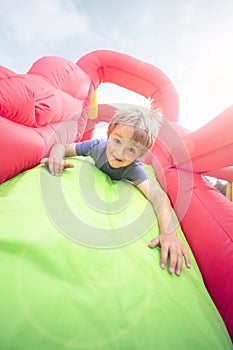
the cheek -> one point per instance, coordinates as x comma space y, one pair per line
130, 157
109, 147
134, 156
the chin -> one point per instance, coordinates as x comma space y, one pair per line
114, 165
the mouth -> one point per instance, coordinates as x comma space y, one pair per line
116, 162
117, 159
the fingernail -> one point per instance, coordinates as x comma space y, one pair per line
162, 266
172, 270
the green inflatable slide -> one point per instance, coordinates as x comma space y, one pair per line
77, 274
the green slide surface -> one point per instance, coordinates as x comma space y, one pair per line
76, 271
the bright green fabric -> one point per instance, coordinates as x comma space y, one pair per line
57, 294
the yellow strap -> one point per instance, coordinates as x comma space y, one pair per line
229, 191
93, 111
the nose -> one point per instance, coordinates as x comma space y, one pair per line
120, 152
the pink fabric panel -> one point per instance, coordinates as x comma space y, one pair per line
17, 100
207, 220
135, 75
5, 72
63, 75
21, 148
207, 224
211, 147
55, 106
21, 101
222, 174
45, 106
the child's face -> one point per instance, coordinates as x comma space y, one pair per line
121, 149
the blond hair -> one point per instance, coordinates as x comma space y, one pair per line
146, 124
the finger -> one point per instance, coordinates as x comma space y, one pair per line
173, 259
51, 167
179, 263
58, 168
155, 242
55, 167
44, 161
68, 165
164, 256
186, 258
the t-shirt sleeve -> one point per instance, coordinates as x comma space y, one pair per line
84, 148
137, 174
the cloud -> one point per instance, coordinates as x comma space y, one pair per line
42, 22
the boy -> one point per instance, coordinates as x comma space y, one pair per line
131, 133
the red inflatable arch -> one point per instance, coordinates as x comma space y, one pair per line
49, 104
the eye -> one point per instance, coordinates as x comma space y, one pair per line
116, 141
132, 150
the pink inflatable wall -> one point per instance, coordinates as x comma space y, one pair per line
50, 103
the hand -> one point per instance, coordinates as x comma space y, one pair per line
173, 247
55, 165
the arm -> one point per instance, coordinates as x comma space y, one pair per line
56, 162
168, 238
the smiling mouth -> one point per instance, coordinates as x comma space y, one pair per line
117, 159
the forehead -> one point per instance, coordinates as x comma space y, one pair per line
124, 131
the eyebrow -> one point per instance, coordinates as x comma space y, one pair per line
135, 143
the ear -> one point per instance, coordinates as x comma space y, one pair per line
111, 126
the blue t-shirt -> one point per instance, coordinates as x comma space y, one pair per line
96, 149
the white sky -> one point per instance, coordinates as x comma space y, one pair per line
189, 40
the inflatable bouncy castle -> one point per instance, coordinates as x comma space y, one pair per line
76, 270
